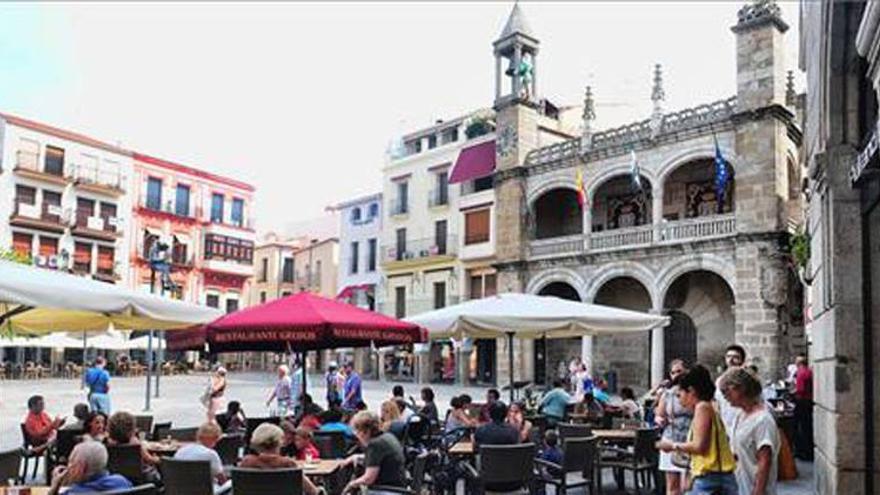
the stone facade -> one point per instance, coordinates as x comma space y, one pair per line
722, 271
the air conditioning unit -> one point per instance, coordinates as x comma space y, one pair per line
55, 210
95, 223
29, 211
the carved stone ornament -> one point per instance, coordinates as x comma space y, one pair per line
505, 143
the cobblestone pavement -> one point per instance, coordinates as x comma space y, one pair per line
179, 403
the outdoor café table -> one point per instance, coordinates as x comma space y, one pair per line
325, 472
165, 448
464, 448
616, 435
34, 490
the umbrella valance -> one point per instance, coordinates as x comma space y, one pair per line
300, 322
37, 301
528, 316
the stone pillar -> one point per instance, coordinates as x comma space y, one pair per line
587, 352
516, 85
498, 82
534, 92
588, 222
657, 210
657, 349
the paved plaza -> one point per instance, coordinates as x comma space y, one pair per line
179, 403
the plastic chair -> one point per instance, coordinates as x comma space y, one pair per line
65, 441
249, 481
10, 465
641, 460
28, 446
186, 477
577, 469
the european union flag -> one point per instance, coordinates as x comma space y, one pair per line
722, 176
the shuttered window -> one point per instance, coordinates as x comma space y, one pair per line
476, 227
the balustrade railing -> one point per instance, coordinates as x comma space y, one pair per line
619, 238
698, 228
557, 246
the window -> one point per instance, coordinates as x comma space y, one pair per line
440, 236
286, 293
489, 285
432, 141
371, 255
212, 301
51, 199
287, 271
221, 247
449, 135
217, 208
400, 302
154, 194
238, 212
374, 210
482, 285
178, 251
22, 244
82, 257
84, 209
54, 161
264, 270
28, 156
402, 197
231, 305
353, 268
401, 245
262, 297
108, 211
105, 260
25, 195
483, 183
48, 246
476, 227
318, 280
414, 146
439, 295
181, 207
442, 193
355, 215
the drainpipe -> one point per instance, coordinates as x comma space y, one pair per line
867, 347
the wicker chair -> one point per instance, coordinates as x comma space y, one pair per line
249, 481
186, 477
578, 468
183, 434
569, 430
229, 449
10, 465
504, 468
126, 460
641, 460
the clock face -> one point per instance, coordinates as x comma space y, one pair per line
506, 140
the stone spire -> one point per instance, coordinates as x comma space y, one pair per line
657, 97
589, 116
790, 93
516, 24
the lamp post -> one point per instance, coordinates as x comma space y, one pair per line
158, 256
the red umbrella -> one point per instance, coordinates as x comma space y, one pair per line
301, 322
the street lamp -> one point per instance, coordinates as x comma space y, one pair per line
159, 263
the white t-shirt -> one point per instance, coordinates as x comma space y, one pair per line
198, 452
748, 435
728, 412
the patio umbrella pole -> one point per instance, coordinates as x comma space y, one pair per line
302, 363
510, 356
149, 370
82, 381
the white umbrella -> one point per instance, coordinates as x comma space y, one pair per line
37, 301
107, 342
533, 317
57, 341
141, 343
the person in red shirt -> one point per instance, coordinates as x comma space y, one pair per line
39, 426
803, 409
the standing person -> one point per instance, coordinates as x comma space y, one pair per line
98, 381
553, 404
573, 367
213, 398
352, 389
580, 379
755, 437
296, 385
734, 357
712, 463
675, 419
281, 393
331, 381
803, 408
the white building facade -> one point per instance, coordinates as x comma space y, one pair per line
360, 230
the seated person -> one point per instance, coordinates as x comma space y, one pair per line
429, 408
628, 406
554, 402
397, 394
492, 396
390, 418
590, 407
550, 452
203, 450
41, 429
96, 427
383, 455
266, 441
600, 392
310, 416
80, 414
496, 431
516, 419
333, 422
236, 421
122, 430
304, 445
458, 417
86, 472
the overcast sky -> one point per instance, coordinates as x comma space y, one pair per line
302, 99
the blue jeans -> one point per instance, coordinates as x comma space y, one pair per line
99, 402
714, 484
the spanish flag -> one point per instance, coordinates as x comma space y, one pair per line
579, 186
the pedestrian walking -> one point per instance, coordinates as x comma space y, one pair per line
213, 396
803, 409
352, 389
281, 393
331, 381
98, 381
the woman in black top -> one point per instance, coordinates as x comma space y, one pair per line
383, 458
429, 409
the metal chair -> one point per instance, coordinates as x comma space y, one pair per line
504, 468
10, 465
160, 431
229, 449
569, 430
186, 477
29, 453
144, 423
148, 489
183, 434
288, 481
577, 469
125, 460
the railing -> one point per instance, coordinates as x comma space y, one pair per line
557, 246
423, 248
438, 197
45, 212
106, 176
414, 306
619, 238
698, 228
25, 160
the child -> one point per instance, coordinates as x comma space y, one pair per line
550, 452
305, 448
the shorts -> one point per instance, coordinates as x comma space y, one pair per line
714, 484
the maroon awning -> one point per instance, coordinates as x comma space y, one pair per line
474, 162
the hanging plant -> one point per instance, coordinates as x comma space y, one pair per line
478, 127
799, 245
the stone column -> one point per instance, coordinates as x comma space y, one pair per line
587, 352
534, 77
497, 76
588, 223
517, 58
657, 349
657, 210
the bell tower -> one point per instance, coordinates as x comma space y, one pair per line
518, 47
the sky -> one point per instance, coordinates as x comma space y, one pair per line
302, 99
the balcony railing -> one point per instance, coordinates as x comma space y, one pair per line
415, 306
99, 175
699, 228
438, 197
674, 232
618, 238
46, 212
423, 248
86, 220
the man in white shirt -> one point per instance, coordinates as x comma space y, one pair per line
203, 450
734, 357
